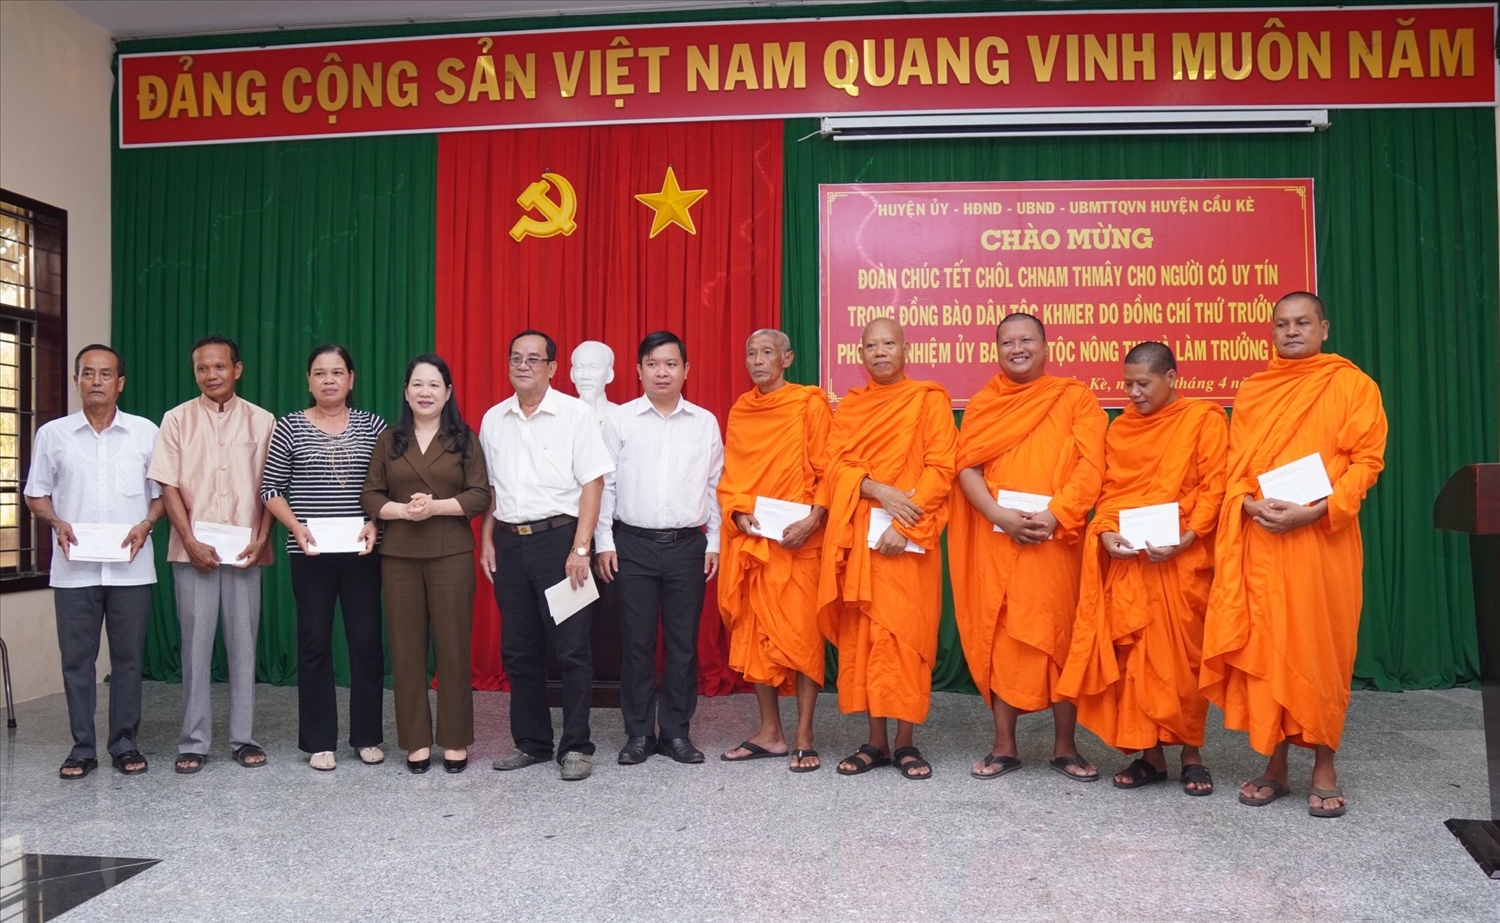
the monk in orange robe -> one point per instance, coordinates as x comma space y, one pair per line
891, 451
1138, 635
1015, 589
776, 447
1283, 617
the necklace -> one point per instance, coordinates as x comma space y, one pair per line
338, 452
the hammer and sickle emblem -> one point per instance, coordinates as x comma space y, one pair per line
558, 214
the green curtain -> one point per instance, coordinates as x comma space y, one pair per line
281, 246
1405, 205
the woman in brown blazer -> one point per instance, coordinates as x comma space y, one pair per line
427, 479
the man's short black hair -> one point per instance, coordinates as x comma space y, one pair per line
1307, 296
214, 339
551, 346
119, 359
659, 338
1031, 317
1157, 357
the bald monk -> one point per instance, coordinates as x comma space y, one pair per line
776, 447
1283, 617
1138, 635
891, 448
1015, 592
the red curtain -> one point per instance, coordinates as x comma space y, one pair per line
608, 279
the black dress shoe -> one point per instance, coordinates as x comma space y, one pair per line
455, 766
636, 750
417, 767
680, 749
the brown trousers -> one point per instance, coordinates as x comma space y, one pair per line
430, 599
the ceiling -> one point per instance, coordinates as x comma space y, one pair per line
153, 18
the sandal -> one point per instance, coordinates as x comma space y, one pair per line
323, 761
371, 756
130, 763
1006, 764
1197, 773
909, 761
1062, 764
1326, 793
752, 752
245, 755
1278, 790
875, 759
85, 766
805, 755
189, 763
1139, 774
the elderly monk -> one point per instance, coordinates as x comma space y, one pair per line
776, 448
1015, 589
891, 449
1138, 635
1283, 617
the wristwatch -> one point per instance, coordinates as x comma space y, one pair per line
582, 551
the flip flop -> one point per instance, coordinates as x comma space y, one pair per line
755, 753
1061, 764
1138, 775
876, 758
1006, 764
1326, 793
244, 752
1278, 790
907, 760
806, 754
122, 762
188, 763
88, 765
1197, 773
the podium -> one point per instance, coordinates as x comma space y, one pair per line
1470, 502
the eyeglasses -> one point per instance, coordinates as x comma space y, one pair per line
528, 361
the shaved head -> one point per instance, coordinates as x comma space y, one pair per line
1013, 318
1309, 298
782, 341
1156, 357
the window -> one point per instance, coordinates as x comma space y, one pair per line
33, 371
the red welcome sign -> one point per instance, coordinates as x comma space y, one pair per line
1146, 59
1195, 264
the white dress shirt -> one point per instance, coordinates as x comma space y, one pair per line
667, 470
539, 464
97, 477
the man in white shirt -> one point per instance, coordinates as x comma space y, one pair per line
88, 478
547, 464
668, 457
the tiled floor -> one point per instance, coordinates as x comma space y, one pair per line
752, 841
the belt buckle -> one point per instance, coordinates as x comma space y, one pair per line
523, 529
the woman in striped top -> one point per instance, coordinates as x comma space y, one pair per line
315, 470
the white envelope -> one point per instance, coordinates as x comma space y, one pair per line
880, 520
775, 515
1302, 481
336, 534
1021, 501
99, 541
1155, 525
563, 601
227, 541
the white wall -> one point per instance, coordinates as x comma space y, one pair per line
55, 86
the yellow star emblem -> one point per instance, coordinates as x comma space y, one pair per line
671, 205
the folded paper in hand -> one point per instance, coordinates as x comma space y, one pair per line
1302, 481
775, 515
880, 520
563, 601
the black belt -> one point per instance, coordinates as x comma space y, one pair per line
660, 536
541, 525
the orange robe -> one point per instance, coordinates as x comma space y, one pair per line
776, 446
1014, 604
1283, 616
882, 611
1138, 635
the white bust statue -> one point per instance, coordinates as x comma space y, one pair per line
593, 367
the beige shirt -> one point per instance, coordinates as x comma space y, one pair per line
215, 459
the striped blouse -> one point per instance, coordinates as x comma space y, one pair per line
319, 474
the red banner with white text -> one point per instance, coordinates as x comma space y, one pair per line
987, 62
1195, 264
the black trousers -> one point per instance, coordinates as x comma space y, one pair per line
525, 566
353, 581
123, 612
659, 584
